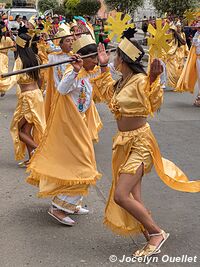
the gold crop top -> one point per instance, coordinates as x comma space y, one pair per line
135, 98
23, 78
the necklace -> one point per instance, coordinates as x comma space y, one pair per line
120, 84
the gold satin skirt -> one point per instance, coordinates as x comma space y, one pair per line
130, 150
31, 107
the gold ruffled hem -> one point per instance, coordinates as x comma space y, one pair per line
47, 194
31, 107
35, 178
122, 230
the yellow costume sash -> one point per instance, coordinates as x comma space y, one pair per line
187, 80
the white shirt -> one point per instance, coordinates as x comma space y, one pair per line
73, 85
58, 70
196, 42
13, 25
53, 47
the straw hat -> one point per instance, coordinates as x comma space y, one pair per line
63, 30
81, 42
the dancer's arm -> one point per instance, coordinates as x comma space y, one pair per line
103, 85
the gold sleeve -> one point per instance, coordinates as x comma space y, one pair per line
155, 95
103, 87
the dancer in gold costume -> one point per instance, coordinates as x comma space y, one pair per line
28, 122
63, 166
191, 72
174, 58
56, 73
5, 41
135, 150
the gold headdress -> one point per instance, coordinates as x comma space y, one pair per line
20, 42
81, 42
129, 49
32, 21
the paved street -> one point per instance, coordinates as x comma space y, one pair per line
29, 237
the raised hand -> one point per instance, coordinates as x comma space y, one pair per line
78, 62
102, 55
155, 70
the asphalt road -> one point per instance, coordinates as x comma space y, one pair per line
29, 237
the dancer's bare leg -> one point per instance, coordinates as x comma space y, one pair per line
25, 136
136, 193
125, 186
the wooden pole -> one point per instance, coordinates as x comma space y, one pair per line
49, 39
44, 66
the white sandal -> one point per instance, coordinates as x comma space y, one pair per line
66, 220
149, 250
197, 101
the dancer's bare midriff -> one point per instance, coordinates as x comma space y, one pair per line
130, 123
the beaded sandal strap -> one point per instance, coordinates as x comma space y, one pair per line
157, 234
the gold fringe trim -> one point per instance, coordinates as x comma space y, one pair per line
83, 73
35, 177
31, 181
69, 193
121, 230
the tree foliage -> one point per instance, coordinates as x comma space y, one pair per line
126, 6
82, 7
174, 7
88, 7
70, 6
44, 5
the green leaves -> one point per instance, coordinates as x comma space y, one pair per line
175, 7
126, 6
71, 7
82, 7
47, 4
